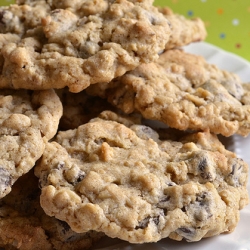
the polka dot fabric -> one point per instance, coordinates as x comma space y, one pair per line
227, 21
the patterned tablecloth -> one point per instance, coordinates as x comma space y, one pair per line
227, 21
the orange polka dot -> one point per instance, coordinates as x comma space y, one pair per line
220, 11
238, 45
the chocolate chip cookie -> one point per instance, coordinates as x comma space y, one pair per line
183, 91
18, 19
28, 119
83, 46
125, 181
25, 226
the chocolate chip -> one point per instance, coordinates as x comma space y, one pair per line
80, 177
76, 178
235, 168
60, 165
237, 171
187, 233
153, 20
183, 209
43, 179
201, 198
186, 230
165, 198
203, 168
144, 223
171, 184
206, 176
203, 164
202, 207
100, 43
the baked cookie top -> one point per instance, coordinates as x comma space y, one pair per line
183, 91
27, 120
86, 42
25, 226
125, 181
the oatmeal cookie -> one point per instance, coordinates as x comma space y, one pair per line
25, 226
83, 49
184, 31
246, 95
28, 119
128, 183
18, 19
5, 39
183, 91
8, 38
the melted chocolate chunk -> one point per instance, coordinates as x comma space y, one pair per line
203, 210
203, 168
80, 177
237, 171
203, 164
144, 223
171, 184
187, 233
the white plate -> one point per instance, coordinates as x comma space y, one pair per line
240, 238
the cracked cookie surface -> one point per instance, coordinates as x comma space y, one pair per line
83, 48
28, 119
125, 181
25, 226
183, 91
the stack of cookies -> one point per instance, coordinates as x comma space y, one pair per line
109, 128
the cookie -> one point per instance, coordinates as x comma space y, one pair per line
79, 108
5, 39
24, 225
28, 119
245, 99
8, 38
184, 31
183, 91
19, 19
128, 183
82, 49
